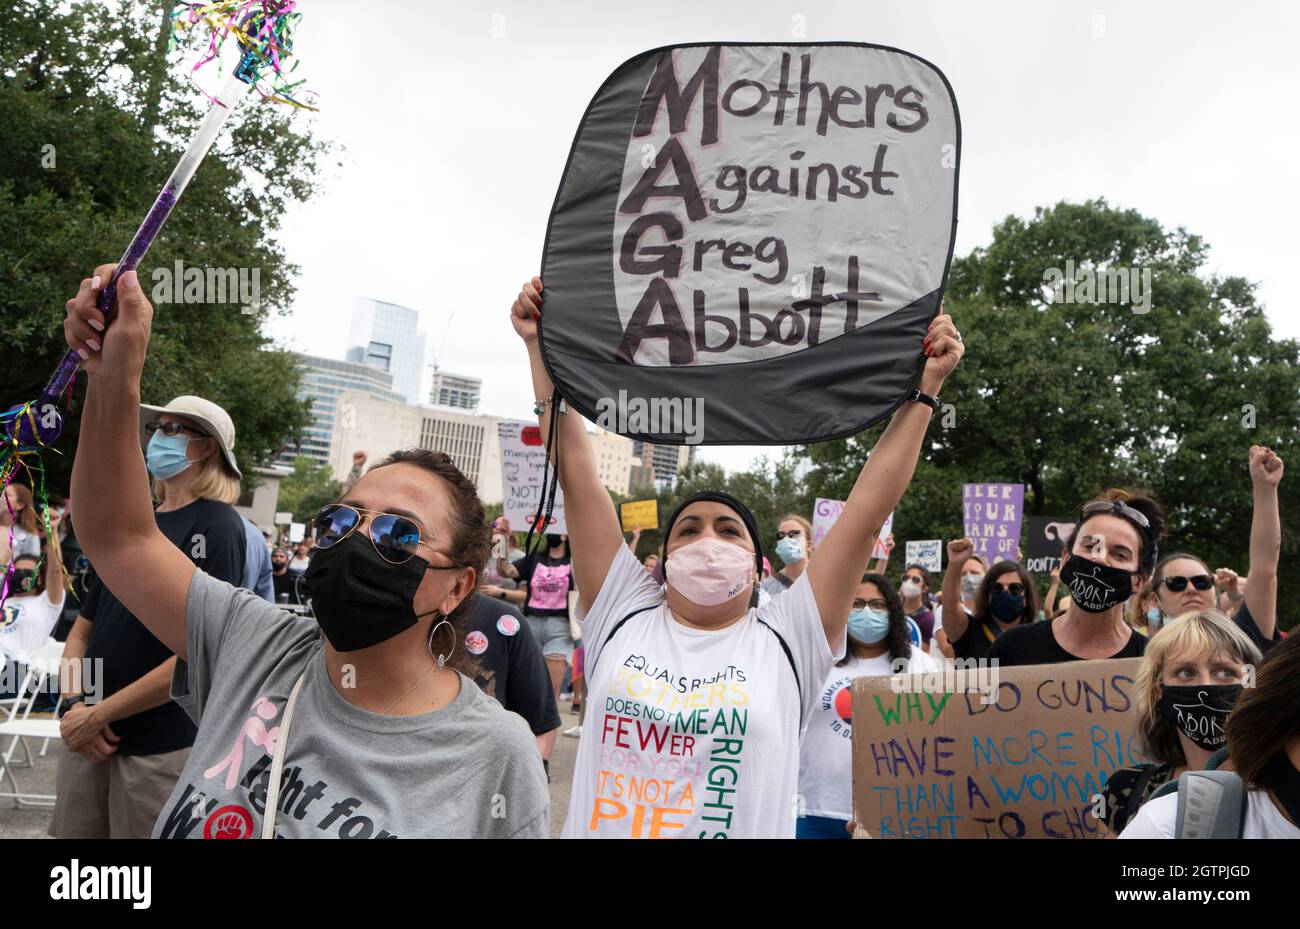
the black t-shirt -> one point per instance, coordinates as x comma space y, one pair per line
286, 583
1246, 623
211, 534
548, 581
1036, 644
511, 666
977, 639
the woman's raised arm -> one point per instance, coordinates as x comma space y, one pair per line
595, 534
843, 554
115, 521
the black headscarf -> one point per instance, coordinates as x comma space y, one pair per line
727, 500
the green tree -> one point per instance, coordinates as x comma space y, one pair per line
1072, 398
95, 119
309, 488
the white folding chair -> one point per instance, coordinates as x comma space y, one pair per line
18, 726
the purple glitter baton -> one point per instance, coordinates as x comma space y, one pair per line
44, 428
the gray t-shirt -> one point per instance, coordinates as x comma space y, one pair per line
471, 769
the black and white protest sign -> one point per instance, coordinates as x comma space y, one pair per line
1045, 537
765, 228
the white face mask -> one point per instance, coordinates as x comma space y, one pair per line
911, 588
970, 585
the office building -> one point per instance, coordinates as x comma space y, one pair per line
322, 381
456, 391
386, 336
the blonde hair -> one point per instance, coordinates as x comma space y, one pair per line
214, 481
805, 526
1205, 632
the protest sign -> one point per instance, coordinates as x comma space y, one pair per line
756, 233
1045, 536
990, 516
297, 532
878, 549
283, 519
825, 512
933, 759
928, 554
639, 514
523, 460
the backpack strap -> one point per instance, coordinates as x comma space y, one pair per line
590, 670
1211, 805
789, 656
1145, 773
1216, 760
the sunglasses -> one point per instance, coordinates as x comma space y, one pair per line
396, 538
1116, 506
792, 534
1013, 589
913, 577
1179, 584
880, 606
173, 429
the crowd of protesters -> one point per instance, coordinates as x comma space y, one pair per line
421, 652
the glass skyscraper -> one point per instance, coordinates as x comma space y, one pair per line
386, 336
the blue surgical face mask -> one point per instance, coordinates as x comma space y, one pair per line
790, 550
165, 456
868, 626
1154, 618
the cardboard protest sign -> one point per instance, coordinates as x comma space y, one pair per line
825, 512
759, 234
639, 514
990, 517
523, 460
1045, 536
932, 759
928, 554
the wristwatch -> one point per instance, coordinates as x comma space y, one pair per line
68, 702
918, 397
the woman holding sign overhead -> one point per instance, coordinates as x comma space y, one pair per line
700, 695
1112, 552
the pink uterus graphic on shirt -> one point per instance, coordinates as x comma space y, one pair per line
548, 588
256, 732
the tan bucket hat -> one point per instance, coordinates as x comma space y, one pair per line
210, 418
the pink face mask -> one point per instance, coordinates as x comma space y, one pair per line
709, 572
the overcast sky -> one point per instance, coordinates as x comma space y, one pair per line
457, 119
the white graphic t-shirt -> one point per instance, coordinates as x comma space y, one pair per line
826, 753
692, 733
26, 623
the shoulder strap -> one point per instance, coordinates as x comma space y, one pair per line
1211, 805
590, 670
789, 656
277, 762
1217, 759
1145, 773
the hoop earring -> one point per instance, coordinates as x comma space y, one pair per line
442, 659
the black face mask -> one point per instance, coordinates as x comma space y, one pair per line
1281, 777
554, 540
359, 598
21, 581
1199, 711
1095, 587
1007, 607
